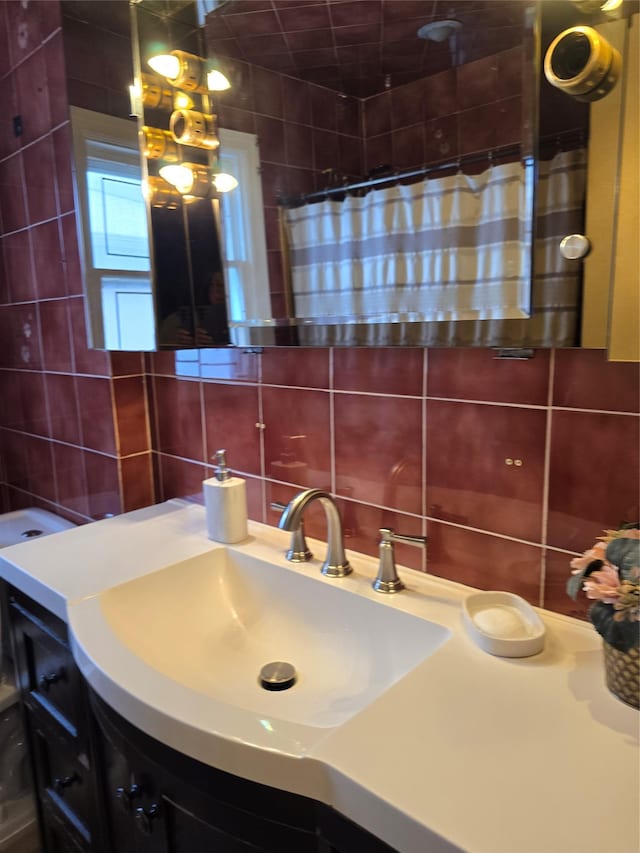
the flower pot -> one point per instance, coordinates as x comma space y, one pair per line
622, 670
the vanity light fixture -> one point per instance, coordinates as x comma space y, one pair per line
591, 6
151, 93
160, 193
155, 94
582, 63
190, 127
217, 81
189, 72
194, 180
159, 144
182, 101
188, 178
224, 182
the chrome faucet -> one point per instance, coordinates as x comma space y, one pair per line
336, 564
298, 550
388, 580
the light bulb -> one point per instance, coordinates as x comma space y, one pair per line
166, 65
610, 5
182, 101
182, 177
224, 182
217, 82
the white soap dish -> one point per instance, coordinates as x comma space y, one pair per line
503, 624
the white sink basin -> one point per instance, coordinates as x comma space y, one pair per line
211, 622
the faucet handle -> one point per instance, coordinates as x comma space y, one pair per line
298, 551
388, 534
387, 579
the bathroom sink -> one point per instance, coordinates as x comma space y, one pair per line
210, 623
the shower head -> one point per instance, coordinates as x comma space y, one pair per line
439, 30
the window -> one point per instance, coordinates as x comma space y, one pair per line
244, 243
113, 234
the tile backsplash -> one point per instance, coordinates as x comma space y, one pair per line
509, 467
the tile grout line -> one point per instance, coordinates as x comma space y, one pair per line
546, 476
203, 425
158, 485
116, 435
425, 370
54, 441
32, 52
395, 510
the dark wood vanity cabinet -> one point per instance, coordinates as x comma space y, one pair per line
105, 786
159, 800
58, 731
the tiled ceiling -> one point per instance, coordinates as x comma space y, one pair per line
361, 47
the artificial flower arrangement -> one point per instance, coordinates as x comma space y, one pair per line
609, 574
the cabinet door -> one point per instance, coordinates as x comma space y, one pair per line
153, 807
62, 779
47, 674
144, 820
58, 837
134, 811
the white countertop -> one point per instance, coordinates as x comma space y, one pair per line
467, 751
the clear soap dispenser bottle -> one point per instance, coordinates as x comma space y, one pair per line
225, 500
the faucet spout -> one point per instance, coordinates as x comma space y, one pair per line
336, 564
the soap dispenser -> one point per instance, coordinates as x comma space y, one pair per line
225, 500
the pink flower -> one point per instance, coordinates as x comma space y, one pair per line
579, 564
603, 585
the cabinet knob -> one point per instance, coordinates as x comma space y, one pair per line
145, 817
46, 681
126, 796
62, 782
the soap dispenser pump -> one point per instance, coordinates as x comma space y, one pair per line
225, 500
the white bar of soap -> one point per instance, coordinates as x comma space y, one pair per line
503, 624
501, 621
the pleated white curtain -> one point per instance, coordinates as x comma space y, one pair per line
452, 248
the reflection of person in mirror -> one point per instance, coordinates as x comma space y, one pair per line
210, 320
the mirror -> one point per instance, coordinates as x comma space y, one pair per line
338, 93
152, 266
326, 124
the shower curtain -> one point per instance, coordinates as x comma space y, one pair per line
452, 248
320, 239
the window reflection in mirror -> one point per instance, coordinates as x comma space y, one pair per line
113, 237
244, 244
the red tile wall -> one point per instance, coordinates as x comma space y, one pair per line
509, 468
73, 423
473, 108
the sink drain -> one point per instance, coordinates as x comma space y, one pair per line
277, 675
29, 534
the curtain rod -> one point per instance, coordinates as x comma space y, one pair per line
292, 201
